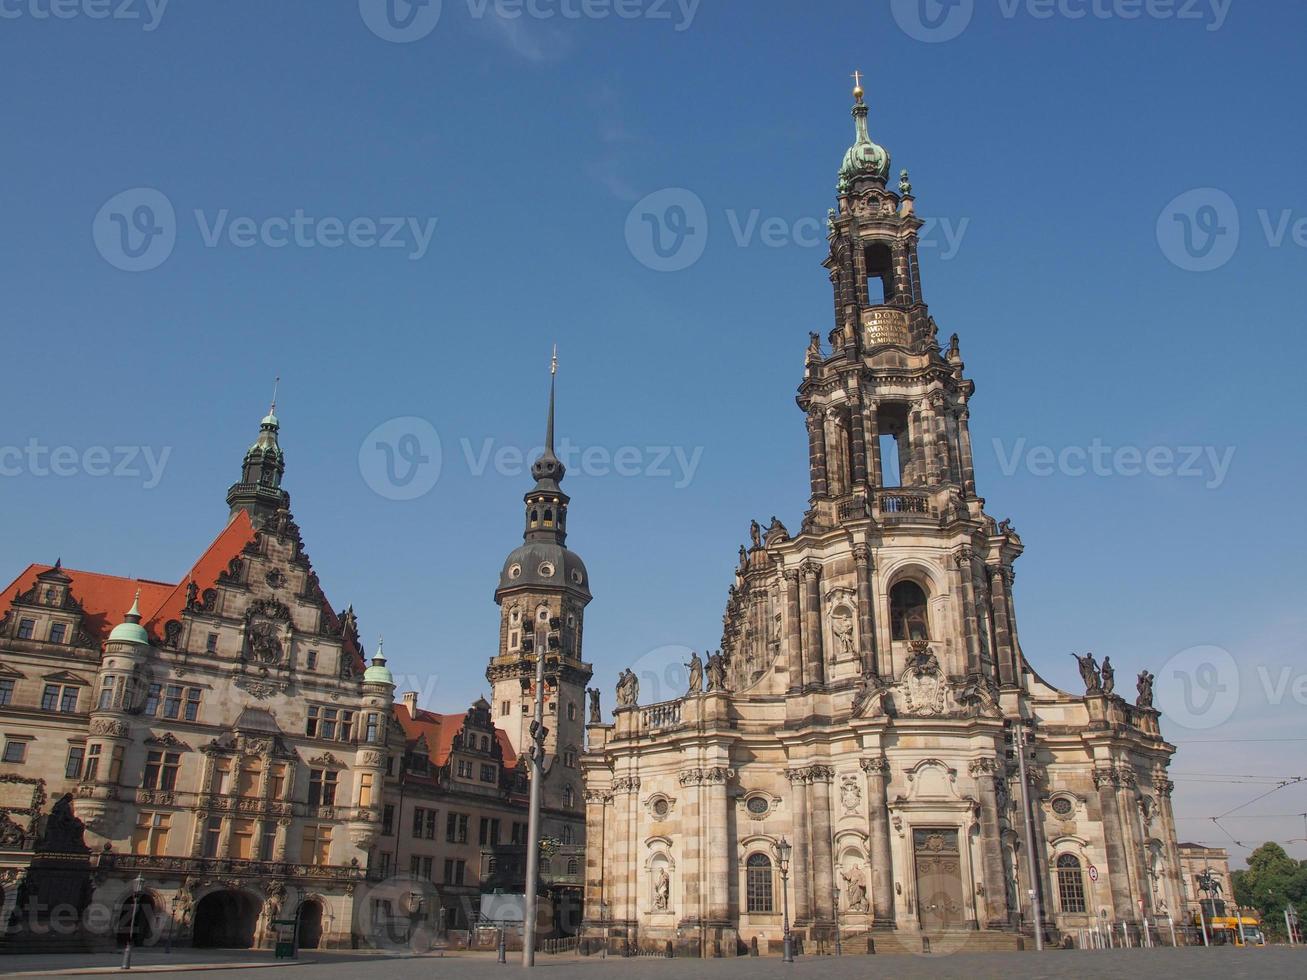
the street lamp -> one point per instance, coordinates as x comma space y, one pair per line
783, 848
137, 885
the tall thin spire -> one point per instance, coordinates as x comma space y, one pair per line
276, 383
549, 426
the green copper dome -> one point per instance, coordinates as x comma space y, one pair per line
378, 673
131, 630
864, 158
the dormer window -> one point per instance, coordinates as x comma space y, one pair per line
58, 632
26, 628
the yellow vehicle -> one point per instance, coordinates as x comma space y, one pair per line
1226, 926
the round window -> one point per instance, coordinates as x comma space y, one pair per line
757, 805
546, 569
1062, 806
577, 576
515, 571
660, 808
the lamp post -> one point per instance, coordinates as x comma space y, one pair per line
172, 922
137, 885
783, 848
537, 753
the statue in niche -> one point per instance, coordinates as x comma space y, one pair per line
842, 627
265, 645
855, 887
662, 890
695, 666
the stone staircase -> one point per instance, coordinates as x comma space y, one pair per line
939, 943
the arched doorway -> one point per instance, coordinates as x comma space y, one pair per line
308, 934
225, 919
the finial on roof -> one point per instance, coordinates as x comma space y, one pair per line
276, 383
549, 426
857, 86
134, 614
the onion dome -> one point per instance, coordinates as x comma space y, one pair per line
864, 158
130, 629
378, 673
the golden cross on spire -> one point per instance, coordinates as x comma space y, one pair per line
857, 85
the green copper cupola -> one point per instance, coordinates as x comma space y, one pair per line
864, 158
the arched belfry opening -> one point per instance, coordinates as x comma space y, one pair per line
881, 287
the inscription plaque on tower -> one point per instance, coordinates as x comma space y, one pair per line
883, 325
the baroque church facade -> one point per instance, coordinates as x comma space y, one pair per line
871, 694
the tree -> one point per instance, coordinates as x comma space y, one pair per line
1271, 881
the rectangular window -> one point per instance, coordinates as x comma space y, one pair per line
464, 769
311, 660
421, 867
347, 726
50, 697
388, 819
506, 708
68, 700
322, 787
455, 871
151, 834
373, 726
212, 836
328, 727
58, 632
365, 789
247, 780
456, 828
15, 750
6, 692
277, 782
311, 729
192, 703
211, 643
172, 701
489, 774
152, 694
1070, 884
383, 864
242, 839
116, 763
430, 833
519, 833
758, 884
26, 627
489, 831
222, 777
106, 694
161, 770
419, 815
317, 844
92, 764
268, 841
73, 767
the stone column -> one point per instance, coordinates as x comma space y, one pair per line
963, 559
968, 465
858, 441
1127, 806
1175, 889
597, 805
823, 858
1003, 651
882, 867
915, 267
1118, 871
929, 450
817, 453
793, 625
866, 610
814, 659
993, 911
720, 857
800, 864
871, 426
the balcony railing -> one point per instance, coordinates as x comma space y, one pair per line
664, 715
226, 867
903, 504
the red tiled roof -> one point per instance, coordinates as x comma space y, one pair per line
440, 731
231, 542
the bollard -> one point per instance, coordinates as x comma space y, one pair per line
753, 946
925, 944
871, 946
502, 948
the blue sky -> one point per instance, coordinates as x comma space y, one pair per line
502, 155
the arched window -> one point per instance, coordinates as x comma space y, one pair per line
569, 796
758, 883
907, 612
572, 867
1070, 883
